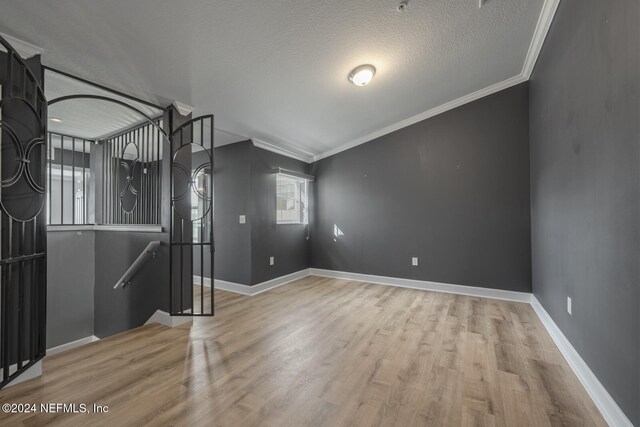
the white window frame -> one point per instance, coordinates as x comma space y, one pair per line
301, 199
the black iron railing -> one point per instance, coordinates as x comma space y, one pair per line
131, 179
23, 243
69, 177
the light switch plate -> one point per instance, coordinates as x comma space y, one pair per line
243, 219
569, 308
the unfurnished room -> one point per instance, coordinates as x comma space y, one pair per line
320, 213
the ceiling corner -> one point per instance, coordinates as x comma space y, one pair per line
547, 14
304, 157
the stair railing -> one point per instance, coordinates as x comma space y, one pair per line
150, 250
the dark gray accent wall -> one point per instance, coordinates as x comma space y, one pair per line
232, 183
585, 187
245, 185
286, 242
452, 190
70, 279
83, 267
118, 310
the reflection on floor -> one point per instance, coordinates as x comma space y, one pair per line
202, 299
322, 352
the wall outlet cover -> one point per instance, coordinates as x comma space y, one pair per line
272, 260
414, 261
569, 305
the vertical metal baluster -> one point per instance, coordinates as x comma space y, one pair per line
49, 160
6, 321
181, 263
156, 176
181, 240
117, 183
112, 182
145, 171
211, 194
33, 312
107, 179
143, 178
141, 192
115, 168
3, 298
139, 196
145, 174
169, 152
106, 176
201, 241
73, 181
61, 179
201, 238
136, 210
103, 181
20, 250
108, 146
84, 185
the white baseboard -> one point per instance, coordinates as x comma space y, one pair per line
164, 318
232, 287
608, 407
255, 289
426, 285
73, 344
207, 280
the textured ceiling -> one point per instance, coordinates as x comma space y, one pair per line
277, 70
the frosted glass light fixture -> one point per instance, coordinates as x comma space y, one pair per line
362, 75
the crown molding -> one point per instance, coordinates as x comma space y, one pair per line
426, 114
547, 14
545, 19
305, 157
25, 49
183, 109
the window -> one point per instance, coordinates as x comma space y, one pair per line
200, 205
291, 200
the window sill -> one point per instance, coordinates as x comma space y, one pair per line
108, 227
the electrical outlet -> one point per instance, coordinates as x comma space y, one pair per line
569, 305
272, 260
414, 261
243, 219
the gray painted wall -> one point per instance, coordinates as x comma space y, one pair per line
452, 190
245, 185
232, 182
83, 267
585, 187
286, 242
70, 280
118, 310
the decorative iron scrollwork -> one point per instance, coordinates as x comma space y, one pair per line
196, 181
130, 164
18, 200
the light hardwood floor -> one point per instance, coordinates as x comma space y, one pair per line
322, 352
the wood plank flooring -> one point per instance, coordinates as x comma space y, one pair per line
322, 352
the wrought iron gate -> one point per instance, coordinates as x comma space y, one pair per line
191, 225
23, 123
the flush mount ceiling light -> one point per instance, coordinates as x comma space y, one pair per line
362, 75
55, 119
